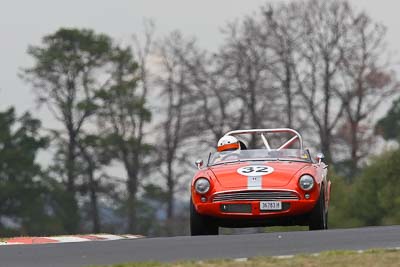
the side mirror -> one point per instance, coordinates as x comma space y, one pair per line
199, 163
320, 156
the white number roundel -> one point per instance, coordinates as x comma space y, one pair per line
255, 170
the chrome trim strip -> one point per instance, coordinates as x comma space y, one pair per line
263, 190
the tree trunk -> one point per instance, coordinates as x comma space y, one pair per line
93, 201
354, 150
288, 95
71, 163
326, 146
170, 198
72, 218
326, 138
254, 123
132, 185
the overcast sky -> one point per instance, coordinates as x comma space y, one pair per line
26, 22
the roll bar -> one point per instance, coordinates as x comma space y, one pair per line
296, 138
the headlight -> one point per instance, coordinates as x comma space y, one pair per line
202, 185
306, 182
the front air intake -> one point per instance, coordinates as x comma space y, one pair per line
255, 195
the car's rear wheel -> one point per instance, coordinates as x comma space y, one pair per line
201, 225
319, 215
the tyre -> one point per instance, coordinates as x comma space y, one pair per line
319, 215
201, 225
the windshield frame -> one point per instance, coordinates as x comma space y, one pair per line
291, 159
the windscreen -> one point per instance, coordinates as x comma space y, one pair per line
259, 154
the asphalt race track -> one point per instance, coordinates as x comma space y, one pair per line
205, 247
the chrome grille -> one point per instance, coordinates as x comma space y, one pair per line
256, 195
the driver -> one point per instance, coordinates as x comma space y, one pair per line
228, 148
228, 143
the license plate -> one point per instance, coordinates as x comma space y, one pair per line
270, 205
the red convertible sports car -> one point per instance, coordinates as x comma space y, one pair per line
241, 187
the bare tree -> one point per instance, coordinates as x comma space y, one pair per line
176, 126
211, 100
210, 97
281, 23
245, 62
333, 55
320, 51
367, 82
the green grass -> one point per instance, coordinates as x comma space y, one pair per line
370, 258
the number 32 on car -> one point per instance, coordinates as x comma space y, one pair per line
255, 170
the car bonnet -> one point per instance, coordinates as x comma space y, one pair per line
252, 175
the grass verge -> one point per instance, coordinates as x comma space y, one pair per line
370, 258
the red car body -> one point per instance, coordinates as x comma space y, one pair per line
251, 191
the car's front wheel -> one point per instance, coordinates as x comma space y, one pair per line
201, 225
319, 215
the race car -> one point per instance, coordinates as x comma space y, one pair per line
259, 186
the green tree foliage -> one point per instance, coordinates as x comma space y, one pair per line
25, 198
80, 75
68, 67
389, 126
376, 195
122, 116
340, 214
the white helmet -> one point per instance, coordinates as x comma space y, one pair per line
227, 142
